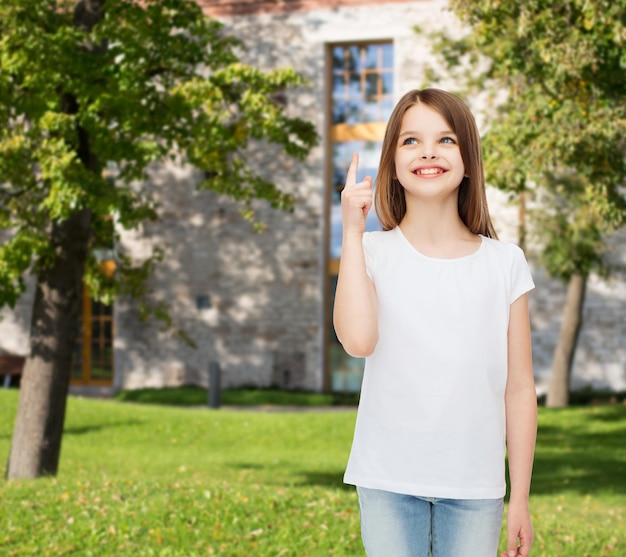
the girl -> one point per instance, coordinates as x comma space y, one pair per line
439, 307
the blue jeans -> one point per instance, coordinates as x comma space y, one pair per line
395, 525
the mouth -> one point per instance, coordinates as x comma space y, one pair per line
429, 171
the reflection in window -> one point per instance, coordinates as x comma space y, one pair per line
361, 103
369, 154
362, 83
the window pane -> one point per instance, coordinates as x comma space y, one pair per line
96, 308
340, 112
387, 55
354, 61
339, 86
387, 85
386, 106
372, 86
371, 57
338, 58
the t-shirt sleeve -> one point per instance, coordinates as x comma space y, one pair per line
369, 252
521, 278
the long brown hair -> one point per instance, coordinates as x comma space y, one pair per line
389, 197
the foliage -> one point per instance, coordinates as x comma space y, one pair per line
559, 132
190, 395
85, 112
144, 480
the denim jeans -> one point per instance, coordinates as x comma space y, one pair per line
395, 525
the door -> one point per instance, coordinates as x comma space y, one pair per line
92, 363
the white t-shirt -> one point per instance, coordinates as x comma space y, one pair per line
431, 419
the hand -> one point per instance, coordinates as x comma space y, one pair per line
518, 527
356, 199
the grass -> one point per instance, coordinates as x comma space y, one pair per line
147, 480
191, 395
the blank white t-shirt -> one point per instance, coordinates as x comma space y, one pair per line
431, 418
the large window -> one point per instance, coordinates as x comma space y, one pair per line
361, 101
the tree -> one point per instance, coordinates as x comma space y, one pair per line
557, 140
87, 84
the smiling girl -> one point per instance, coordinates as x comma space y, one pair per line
439, 308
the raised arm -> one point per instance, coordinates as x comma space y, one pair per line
521, 428
355, 313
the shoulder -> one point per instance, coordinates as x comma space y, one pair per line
381, 235
510, 258
382, 238
378, 246
503, 249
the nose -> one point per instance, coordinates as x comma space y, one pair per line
428, 152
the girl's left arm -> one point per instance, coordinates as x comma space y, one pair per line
521, 428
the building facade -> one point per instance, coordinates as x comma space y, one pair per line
259, 304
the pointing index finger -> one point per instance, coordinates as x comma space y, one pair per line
354, 164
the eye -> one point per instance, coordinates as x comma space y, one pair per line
447, 139
410, 141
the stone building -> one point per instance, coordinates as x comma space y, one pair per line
259, 304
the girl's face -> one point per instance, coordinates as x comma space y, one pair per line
428, 159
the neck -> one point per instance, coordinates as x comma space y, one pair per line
437, 229
435, 220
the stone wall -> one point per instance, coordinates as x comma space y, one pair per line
250, 301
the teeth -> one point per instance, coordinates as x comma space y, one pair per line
429, 171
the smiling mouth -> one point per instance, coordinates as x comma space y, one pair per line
428, 171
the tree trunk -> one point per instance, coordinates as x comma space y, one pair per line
36, 446
558, 391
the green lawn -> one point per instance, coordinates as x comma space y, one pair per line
144, 480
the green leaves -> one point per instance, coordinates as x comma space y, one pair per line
149, 82
15, 261
559, 133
